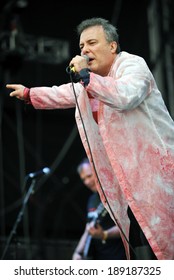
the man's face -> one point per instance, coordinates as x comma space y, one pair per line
87, 177
101, 53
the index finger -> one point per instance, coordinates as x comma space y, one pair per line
13, 86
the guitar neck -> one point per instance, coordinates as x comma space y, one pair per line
87, 245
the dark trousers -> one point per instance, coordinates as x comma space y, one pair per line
139, 246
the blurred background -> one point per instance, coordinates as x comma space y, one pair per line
37, 41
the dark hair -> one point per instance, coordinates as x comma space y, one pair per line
109, 29
80, 166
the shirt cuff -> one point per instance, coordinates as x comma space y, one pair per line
27, 95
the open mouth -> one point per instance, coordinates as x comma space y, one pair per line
90, 59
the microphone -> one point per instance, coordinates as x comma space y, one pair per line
36, 174
71, 68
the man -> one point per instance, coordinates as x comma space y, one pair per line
101, 238
127, 133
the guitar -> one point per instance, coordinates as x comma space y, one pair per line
100, 213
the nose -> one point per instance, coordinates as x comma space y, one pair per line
85, 50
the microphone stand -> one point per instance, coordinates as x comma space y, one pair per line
19, 217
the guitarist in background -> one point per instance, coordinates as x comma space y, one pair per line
101, 238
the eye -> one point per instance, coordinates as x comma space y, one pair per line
92, 42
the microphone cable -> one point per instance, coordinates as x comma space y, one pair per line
109, 206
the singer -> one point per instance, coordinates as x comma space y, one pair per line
128, 135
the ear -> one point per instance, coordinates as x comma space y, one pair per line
113, 47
